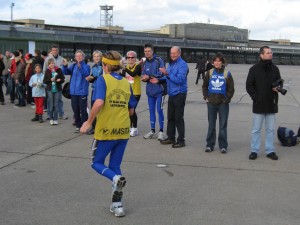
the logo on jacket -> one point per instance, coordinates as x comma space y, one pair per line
105, 131
217, 83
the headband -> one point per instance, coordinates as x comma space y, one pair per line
111, 62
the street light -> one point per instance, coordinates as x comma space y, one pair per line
11, 14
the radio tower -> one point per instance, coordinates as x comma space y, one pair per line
106, 15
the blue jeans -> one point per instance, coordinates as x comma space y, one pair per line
60, 105
21, 93
79, 107
12, 88
223, 111
5, 82
52, 105
257, 122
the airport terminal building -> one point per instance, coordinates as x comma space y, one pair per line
195, 39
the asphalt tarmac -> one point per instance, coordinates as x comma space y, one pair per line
46, 178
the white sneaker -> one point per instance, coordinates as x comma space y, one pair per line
76, 130
117, 209
162, 136
133, 132
150, 135
118, 183
51, 122
55, 122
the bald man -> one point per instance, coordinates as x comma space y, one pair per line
176, 77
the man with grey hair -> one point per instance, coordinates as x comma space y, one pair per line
176, 77
79, 87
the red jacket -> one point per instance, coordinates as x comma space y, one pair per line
13, 67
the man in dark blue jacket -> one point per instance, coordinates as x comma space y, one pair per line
79, 87
176, 77
154, 90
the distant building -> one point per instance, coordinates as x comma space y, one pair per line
195, 39
204, 31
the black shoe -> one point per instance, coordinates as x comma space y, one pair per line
17, 104
2, 103
178, 145
272, 156
22, 105
167, 142
36, 118
253, 156
40, 118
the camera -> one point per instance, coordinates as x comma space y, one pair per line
278, 85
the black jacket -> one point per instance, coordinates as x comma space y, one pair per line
259, 82
48, 76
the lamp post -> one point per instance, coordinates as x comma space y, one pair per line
11, 14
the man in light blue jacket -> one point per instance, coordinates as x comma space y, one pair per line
79, 87
176, 77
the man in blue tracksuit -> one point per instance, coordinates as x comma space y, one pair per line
79, 88
176, 77
154, 90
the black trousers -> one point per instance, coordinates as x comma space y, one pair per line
176, 106
1, 91
199, 75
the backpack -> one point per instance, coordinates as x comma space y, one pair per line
286, 136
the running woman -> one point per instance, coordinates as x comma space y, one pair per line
113, 99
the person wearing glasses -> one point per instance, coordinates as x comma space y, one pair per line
132, 73
113, 99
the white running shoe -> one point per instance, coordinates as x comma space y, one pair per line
55, 122
51, 122
150, 135
162, 136
133, 132
117, 209
118, 183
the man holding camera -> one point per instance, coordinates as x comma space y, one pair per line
260, 86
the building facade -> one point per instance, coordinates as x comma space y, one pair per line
196, 40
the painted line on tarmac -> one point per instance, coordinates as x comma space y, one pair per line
37, 153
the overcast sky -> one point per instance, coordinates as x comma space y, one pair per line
265, 19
